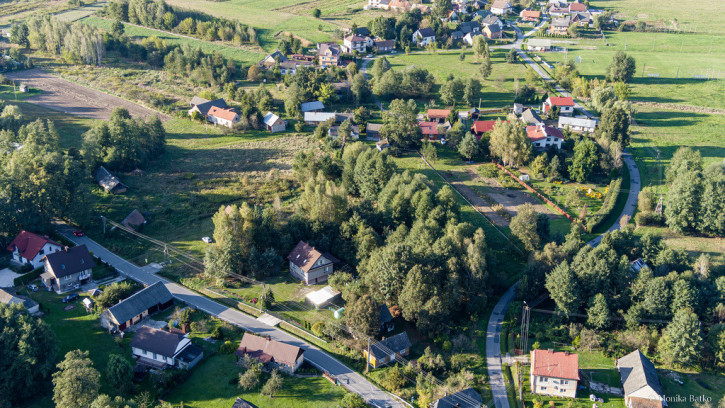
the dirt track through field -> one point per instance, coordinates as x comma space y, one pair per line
68, 97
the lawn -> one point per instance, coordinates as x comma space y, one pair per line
211, 386
246, 55
689, 15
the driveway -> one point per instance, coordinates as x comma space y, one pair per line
351, 379
7, 278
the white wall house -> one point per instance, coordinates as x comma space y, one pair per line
554, 373
565, 104
582, 125
501, 7
28, 248
310, 265
222, 116
542, 137
424, 36
157, 349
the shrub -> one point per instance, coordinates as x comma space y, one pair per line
217, 333
228, 347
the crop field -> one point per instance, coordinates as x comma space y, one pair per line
246, 55
497, 90
18, 9
690, 15
80, 12
676, 58
269, 18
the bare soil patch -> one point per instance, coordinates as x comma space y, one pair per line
510, 199
68, 97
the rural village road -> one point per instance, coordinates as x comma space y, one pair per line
495, 322
347, 377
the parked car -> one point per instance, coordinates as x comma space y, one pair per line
369, 56
70, 298
33, 287
207, 240
79, 233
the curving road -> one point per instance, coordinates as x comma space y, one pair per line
495, 322
347, 377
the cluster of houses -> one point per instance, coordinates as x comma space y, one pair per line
556, 374
218, 112
564, 14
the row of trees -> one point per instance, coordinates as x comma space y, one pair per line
76, 43
158, 14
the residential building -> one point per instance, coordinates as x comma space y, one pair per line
581, 125
328, 54
384, 45
135, 220
560, 26
530, 15
67, 269
223, 116
382, 144
274, 123
290, 67
565, 104
424, 36
469, 38
457, 35
136, 307
310, 265
29, 249
556, 11
469, 27
373, 130
501, 7
323, 297
202, 105
272, 353
482, 126
433, 130
438, 115
353, 43
542, 136
492, 20
642, 388
354, 132
538, 44
388, 350
314, 106
582, 19
554, 373
10, 299
403, 5
386, 319
108, 181
381, 4
530, 117
493, 32
576, 7
272, 59
468, 398
159, 349
518, 109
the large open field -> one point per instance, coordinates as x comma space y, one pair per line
690, 15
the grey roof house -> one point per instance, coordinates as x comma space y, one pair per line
10, 299
642, 388
156, 348
67, 269
136, 307
108, 181
467, 398
202, 105
388, 350
530, 117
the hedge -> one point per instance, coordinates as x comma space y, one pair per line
610, 200
28, 277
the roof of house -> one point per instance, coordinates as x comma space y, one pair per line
305, 256
428, 128
531, 13
469, 26
577, 6
266, 350
319, 116
385, 315
139, 302
557, 364
310, 106
404, 4
426, 32
493, 28
467, 398
542, 132
223, 113
571, 121
373, 127
500, 4
561, 100
107, 180
198, 100
530, 117
364, 31
491, 19
457, 34
333, 130
29, 244
481, 126
292, 64
10, 299
561, 22
396, 344
206, 106
240, 403
134, 219
70, 261
156, 341
334, 49
583, 17
355, 38
384, 43
438, 113
637, 372
270, 119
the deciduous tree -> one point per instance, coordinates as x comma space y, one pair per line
76, 382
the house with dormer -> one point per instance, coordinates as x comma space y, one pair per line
424, 36
68, 269
29, 248
310, 265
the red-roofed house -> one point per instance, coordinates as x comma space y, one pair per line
565, 104
438, 115
554, 373
29, 248
431, 130
309, 264
530, 15
482, 126
574, 7
222, 116
542, 137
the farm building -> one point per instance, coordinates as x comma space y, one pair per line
323, 297
530, 117
136, 307
584, 125
539, 44
274, 123
134, 221
641, 385
203, 106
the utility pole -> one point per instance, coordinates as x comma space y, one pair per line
103, 219
367, 358
525, 317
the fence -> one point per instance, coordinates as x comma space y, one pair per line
541, 196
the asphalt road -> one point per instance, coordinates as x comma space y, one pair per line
349, 378
495, 322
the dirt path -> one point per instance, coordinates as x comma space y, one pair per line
480, 204
68, 97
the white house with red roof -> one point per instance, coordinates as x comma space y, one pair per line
542, 136
222, 116
29, 248
565, 104
554, 373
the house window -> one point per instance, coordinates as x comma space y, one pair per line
326, 268
543, 379
564, 382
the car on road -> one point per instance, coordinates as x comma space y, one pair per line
79, 233
369, 56
393, 52
70, 298
33, 287
207, 240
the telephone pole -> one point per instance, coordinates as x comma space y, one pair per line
367, 358
525, 318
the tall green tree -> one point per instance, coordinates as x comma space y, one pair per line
472, 92
563, 288
598, 312
614, 125
452, 91
585, 160
523, 226
76, 382
400, 125
119, 374
681, 342
468, 148
362, 315
622, 67
683, 202
509, 143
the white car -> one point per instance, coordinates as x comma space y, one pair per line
369, 56
207, 240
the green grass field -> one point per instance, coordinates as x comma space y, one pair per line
684, 14
244, 55
210, 386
